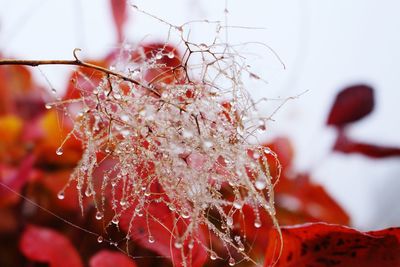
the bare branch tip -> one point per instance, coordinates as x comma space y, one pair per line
75, 54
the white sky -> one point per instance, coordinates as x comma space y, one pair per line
325, 45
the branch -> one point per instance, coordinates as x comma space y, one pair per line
76, 62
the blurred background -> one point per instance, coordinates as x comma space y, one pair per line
325, 46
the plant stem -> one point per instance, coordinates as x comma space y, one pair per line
76, 62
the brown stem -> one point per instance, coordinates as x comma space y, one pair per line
76, 62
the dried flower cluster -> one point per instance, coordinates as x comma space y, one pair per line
178, 137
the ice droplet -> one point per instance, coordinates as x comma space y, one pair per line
100, 239
232, 261
257, 223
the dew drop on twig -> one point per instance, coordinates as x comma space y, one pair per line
61, 195
99, 215
59, 151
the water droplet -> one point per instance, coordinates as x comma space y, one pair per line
171, 207
203, 46
257, 223
178, 244
185, 214
115, 220
144, 131
191, 244
213, 256
53, 90
151, 239
241, 247
125, 118
61, 195
237, 204
232, 261
159, 55
117, 96
122, 202
171, 55
256, 155
59, 151
261, 183
88, 193
187, 134
267, 151
229, 221
100, 239
99, 215
48, 106
207, 144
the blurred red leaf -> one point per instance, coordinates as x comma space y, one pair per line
18, 92
120, 15
351, 104
15, 179
48, 246
298, 200
346, 145
107, 258
333, 245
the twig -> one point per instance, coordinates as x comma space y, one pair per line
76, 62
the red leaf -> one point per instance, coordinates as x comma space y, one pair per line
333, 245
48, 246
15, 179
107, 258
298, 200
18, 92
351, 104
345, 145
120, 16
